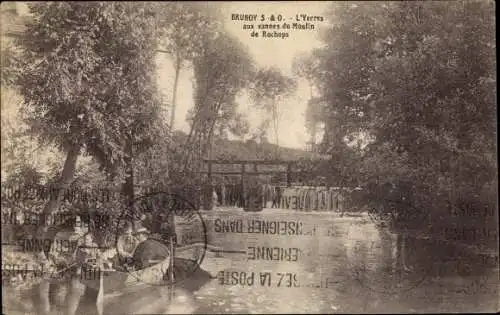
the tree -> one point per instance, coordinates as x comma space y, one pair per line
417, 77
306, 66
183, 26
221, 71
135, 116
314, 116
269, 88
87, 74
439, 131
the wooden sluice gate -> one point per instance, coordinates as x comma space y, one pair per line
257, 215
254, 190
247, 193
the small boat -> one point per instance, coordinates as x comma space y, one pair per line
129, 292
114, 280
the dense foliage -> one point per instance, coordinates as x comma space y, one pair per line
85, 74
417, 79
222, 70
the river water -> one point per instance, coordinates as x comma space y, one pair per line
348, 266
338, 265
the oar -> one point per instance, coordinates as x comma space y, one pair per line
171, 268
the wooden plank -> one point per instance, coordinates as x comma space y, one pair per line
288, 174
242, 182
248, 173
254, 173
280, 162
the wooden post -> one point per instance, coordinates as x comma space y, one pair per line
172, 239
288, 174
208, 189
210, 186
259, 186
209, 171
171, 265
242, 193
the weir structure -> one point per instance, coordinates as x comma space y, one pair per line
243, 169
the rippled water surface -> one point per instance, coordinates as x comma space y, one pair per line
347, 265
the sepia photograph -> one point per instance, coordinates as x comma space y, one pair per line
249, 157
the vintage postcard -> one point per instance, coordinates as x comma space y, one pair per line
255, 157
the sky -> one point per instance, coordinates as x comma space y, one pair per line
277, 52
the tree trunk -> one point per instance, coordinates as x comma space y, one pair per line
276, 127
62, 185
221, 131
210, 139
174, 93
314, 123
313, 137
42, 231
128, 186
190, 142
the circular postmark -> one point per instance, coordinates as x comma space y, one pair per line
395, 261
161, 239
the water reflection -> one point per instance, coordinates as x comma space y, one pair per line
356, 267
348, 265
